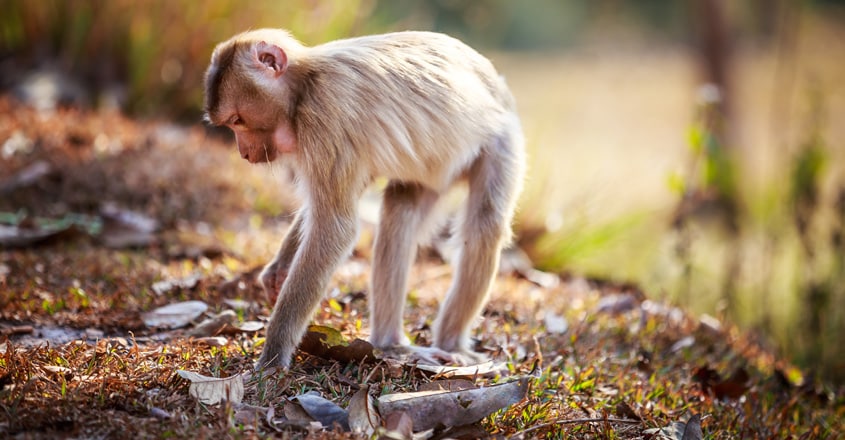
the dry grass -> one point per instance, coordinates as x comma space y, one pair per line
624, 366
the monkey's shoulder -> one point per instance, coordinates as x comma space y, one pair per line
420, 43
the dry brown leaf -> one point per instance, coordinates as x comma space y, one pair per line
399, 426
430, 409
328, 343
363, 417
213, 325
213, 390
294, 412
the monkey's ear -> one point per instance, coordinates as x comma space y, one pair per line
271, 57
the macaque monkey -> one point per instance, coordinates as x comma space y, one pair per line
421, 109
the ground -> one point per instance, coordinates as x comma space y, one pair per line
114, 218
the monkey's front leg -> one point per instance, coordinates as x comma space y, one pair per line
274, 274
327, 234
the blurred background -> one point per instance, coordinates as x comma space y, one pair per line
695, 148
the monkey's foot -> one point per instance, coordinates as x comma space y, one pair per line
433, 355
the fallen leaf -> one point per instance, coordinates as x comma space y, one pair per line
616, 304
124, 228
213, 325
167, 286
673, 431
213, 341
688, 428
324, 411
14, 236
212, 390
159, 413
483, 369
693, 429
249, 326
26, 176
136, 220
250, 416
328, 343
175, 315
57, 370
399, 426
238, 304
733, 387
685, 342
555, 323
626, 412
430, 409
363, 417
296, 413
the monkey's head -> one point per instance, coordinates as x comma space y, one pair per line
248, 89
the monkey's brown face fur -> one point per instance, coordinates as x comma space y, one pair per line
242, 83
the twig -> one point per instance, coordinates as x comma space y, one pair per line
576, 422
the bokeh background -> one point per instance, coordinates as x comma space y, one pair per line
695, 148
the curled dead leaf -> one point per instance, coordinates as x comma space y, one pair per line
175, 315
328, 343
213, 390
363, 417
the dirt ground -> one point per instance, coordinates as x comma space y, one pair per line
105, 219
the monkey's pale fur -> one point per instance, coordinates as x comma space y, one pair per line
419, 108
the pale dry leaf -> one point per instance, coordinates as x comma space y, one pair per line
159, 413
483, 369
250, 416
213, 341
295, 412
685, 342
213, 390
167, 286
363, 417
238, 304
555, 323
175, 315
249, 326
430, 409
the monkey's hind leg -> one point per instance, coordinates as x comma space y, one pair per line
494, 184
404, 212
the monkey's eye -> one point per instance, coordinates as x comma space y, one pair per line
236, 121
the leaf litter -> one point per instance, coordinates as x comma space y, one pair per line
620, 367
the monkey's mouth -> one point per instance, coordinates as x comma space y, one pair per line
261, 156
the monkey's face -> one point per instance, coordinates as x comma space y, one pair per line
262, 142
247, 92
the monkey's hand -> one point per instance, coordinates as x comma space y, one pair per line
272, 278
434, 355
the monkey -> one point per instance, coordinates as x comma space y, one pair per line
421, 109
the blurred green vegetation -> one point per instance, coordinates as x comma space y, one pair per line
769, 255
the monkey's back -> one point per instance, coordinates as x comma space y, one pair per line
416, 104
